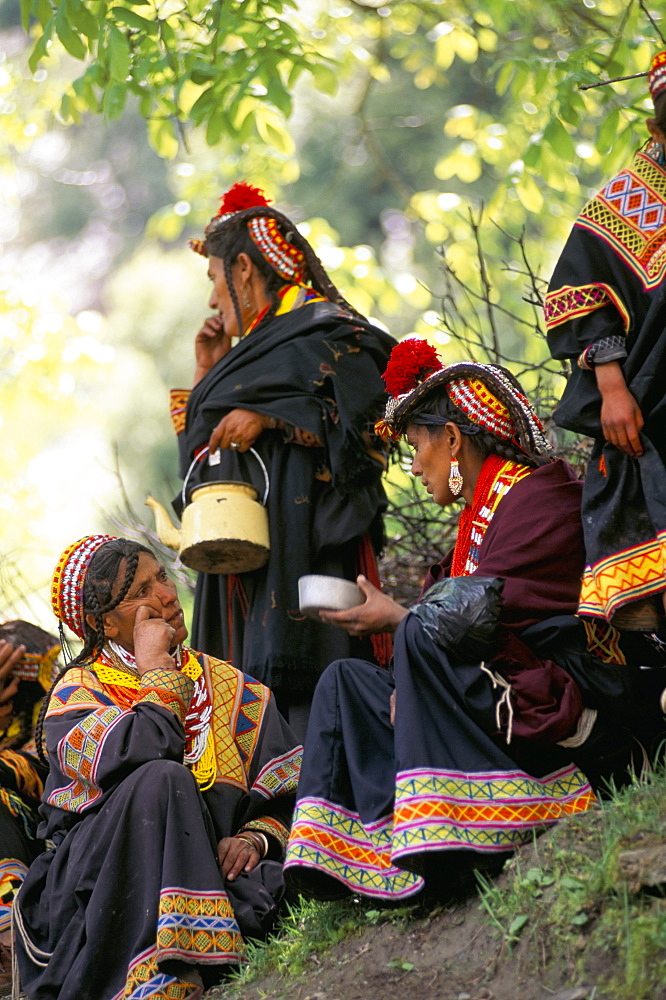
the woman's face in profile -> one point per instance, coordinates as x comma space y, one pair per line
432, 462
220, 298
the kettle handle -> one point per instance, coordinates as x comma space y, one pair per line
197, 459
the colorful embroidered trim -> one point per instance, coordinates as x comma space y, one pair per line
602, 351
568, 303
17, 808
79, 754
68, 577
178, 408
603, 641
629, 214
330, 839
270, 826
451, 810
280, 776
146, 982
624, 577
12, 873
197, 925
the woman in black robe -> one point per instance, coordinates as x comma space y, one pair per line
606, 314
303, 388
168, 800
475, 740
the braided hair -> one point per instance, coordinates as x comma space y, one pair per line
229, 238
435, 408
98, 600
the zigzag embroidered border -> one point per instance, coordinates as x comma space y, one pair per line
330, 839
570, 302
629, 215
444, 810
623, 577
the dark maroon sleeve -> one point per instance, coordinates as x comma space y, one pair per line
535, 542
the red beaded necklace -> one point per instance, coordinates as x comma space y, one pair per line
496, 478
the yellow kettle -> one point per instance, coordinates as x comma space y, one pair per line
224, 527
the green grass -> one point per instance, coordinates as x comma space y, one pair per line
571, 902
562, 903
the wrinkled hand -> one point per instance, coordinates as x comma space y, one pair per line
153, 638
210, 345
378, 613
621, 417
236, 855
9, 657
241, 427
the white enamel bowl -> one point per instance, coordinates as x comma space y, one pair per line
327, 593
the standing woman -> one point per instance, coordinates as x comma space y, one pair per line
606, 314
303, 387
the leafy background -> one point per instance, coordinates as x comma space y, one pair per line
434, 153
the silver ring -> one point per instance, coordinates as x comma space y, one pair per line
234, 444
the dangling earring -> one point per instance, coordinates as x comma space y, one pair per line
455, 479
655, 151
245, 301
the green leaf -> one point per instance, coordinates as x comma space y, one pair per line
203, 105
517, 924
113, 101
125, 16
81, 18
84, 90
201, 72
559, 139
69, 38
119, 54
40, 50
580, 919
162, 138
218, 124
608, 131
26, 11
278, 96
325, 79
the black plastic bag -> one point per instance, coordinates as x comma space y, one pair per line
461, 615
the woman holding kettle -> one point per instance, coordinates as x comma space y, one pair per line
302, 387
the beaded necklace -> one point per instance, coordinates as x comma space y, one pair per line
496, 478
117, 671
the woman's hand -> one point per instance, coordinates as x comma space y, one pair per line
621, 417
153, 638
378, 613
239, 429
9, 657
210, 344
236, 855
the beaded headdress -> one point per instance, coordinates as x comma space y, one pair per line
489, 396
68, 579
243, 201
657, 75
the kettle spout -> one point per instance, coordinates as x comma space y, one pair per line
167, 533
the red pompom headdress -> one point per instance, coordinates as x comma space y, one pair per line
488, 395
284, 258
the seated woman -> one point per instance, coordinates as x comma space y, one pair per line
157, 870
467, 748
27, 668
